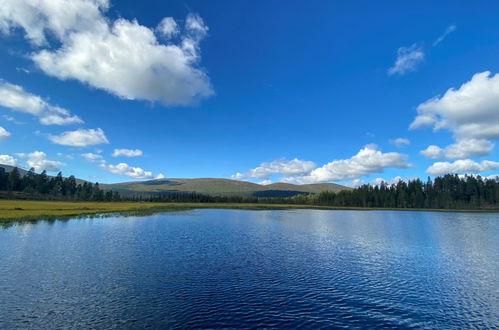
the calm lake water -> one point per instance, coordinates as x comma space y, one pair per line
236, 268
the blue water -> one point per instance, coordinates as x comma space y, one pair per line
236, 268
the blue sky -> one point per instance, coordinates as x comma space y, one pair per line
264, 91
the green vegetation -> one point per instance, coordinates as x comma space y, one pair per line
19, 210
219, 187
69, 197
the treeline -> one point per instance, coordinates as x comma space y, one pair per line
42, 186
447, 192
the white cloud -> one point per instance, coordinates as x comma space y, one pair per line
127, 170
367, 161
80, 138
160, 176
91, 157
447, 31
472, 111
168, 28
12, 120
400, 142
377, 181
266, 182
462, 149
407, 59
127, 152
4, 134
281, 166
461, 166
40, 162
8, 160
119, 56
59, 17
16, 98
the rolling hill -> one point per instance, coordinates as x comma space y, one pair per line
223, 187
210, 186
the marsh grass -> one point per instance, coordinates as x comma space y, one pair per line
28, 211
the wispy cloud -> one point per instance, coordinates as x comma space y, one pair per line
408, 58
444, 35
17, 99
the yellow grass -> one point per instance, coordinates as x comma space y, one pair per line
22, 209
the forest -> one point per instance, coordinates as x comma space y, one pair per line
447, 192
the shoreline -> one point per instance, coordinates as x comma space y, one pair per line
19, 210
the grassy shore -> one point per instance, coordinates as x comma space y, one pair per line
32, 210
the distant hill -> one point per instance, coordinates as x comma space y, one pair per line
9, 168
210, 186
223, 187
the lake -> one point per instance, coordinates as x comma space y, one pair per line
240, 268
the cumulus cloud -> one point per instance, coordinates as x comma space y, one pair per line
16, 98
119, 56
4, 134
377, 181
127, 152
367, 161
281, 166
40, 162
461, 166
91, 157
80, 138
462, 149
400, 142
8, 160
127, 170
444, 35
408, 58
470, 112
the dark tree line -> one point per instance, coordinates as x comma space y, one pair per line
42, 186
447, 192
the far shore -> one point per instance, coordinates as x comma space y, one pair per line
12, 210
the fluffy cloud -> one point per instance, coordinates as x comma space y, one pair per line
40, 162
16, 98
462, 149
8, 160
367, 161
472, 111
91, 157
407, 59
4, 134
80, 138
377, 181
461, 166
281, 166
127, 170
119, 56
127, 152
400, 142
168, 28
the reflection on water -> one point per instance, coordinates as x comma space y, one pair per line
227, 268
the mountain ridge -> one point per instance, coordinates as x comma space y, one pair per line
210, 186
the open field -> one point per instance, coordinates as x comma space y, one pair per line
32, 210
